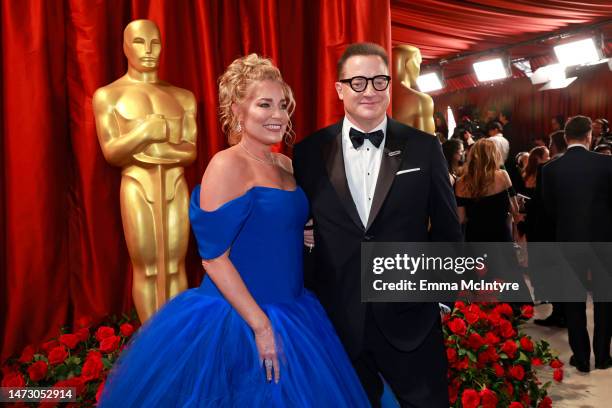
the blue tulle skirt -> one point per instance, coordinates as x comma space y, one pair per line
198, 352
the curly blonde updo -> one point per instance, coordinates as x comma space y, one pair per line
233, 86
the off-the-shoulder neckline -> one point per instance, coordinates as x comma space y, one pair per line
243, 195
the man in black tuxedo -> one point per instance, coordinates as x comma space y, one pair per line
577, 194
370, 178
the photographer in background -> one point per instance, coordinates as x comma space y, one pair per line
601, 132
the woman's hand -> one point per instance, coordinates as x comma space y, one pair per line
266, 346
309, 235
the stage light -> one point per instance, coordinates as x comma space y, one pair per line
491, 70
553, 76
452, 124
429, 82
577, 52
548, 73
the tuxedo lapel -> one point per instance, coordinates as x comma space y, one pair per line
334, 164
389, 165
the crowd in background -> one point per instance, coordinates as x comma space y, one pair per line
500, 198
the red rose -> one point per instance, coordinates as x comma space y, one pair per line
69, 340
526, 344
527, 311
536, 362
126, 329
472, 313
488, 355
558, 374
491, 338
94, 355
457, 326
82, 334
506, 329
76, 382
110, 344
48, 346
499, 370
470, 398
99, 392
57, 355
460, 305
515, 404
92, 369
462, 364
505, 309
38, 370
517, 372
451, 355
13, 379
545, 403
84, 321
509, 347
475, 341
556, 363
27, 354
494, 318
104, 332
488, 398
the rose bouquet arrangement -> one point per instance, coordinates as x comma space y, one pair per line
491, 363
80, 358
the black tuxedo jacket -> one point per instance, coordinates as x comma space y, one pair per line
577, 194
402, 208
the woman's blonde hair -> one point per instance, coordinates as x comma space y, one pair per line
233, 86
483, 160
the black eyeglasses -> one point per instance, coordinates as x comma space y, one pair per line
360, 83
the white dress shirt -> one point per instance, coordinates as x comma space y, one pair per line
361, 166
502, 144
577, 144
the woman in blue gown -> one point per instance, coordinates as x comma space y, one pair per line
250, 335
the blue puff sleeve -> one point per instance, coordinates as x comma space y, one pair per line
215, 231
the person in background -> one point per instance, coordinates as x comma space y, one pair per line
495, 135
441, 125
557, 122
603, 148
600, 129
454, 153
538, 231
537, 155
577, 192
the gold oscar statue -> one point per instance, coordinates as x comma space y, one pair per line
410, 106
148, 128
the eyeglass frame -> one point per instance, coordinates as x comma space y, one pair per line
370, 79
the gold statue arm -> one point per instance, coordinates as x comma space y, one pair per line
118, 149
429, 125
183, 152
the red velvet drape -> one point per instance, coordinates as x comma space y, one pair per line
533, 109
62, 250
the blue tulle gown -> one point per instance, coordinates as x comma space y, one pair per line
198, 352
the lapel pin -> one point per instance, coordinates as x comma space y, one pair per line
395, 153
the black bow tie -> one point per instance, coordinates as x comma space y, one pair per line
358, 137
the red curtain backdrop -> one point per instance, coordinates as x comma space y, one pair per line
62, 250
533, 109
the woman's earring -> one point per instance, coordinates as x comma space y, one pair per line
238, 128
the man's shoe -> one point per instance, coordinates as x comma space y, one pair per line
582, 366
604, 364
551, 321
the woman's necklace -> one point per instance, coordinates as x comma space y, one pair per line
270, 162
